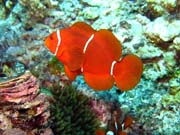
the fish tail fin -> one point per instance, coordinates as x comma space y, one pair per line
127, 72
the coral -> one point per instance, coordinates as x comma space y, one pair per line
36, 10
6, 7
22, 106
173, 97
102, 110
71, 112
160, 7
169, 100
174, 82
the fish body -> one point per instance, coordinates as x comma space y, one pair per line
118, 127
96, 55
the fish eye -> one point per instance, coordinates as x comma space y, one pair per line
51, 37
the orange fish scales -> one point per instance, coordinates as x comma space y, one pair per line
71, 39
128, 121
101, 52
72, 58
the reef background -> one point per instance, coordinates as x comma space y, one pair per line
147, 28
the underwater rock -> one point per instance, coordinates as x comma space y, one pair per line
15, 51
14, 131
149, 51
10, 67
162, 30
22, 104
5, 122
154, 71
35, 10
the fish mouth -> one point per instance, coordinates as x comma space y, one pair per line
46, 42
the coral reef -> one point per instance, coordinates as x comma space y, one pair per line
22, 106
154, 103
71, 112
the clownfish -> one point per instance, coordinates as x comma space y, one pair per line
96, 55
117, 127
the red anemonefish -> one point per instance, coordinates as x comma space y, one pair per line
117, 128
96, 55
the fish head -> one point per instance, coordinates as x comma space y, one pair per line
51, 42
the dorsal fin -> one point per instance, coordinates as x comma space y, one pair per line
81, 26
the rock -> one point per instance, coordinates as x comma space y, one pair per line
15, 51
5, 123
162, 30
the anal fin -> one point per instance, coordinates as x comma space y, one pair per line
99, 82
70, 74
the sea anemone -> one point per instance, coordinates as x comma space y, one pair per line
71, 112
